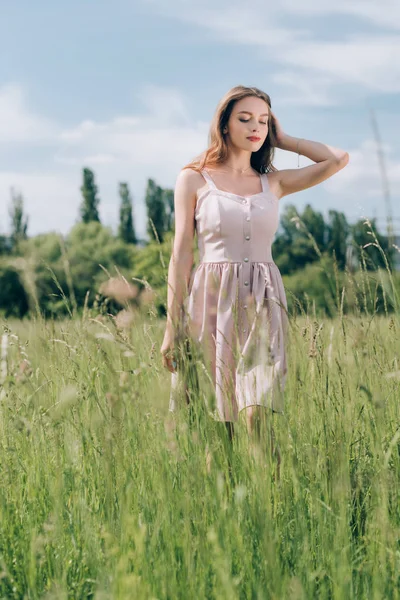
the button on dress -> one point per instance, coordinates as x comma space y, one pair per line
236, 309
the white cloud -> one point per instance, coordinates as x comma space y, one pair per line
385, 13
99, 159
363, 170
162, 138
358, 189
303, 89
17, 122
166, 104
363, 60
50, 199
78, 133
128, 148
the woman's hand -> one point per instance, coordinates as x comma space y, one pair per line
167, 351
277, 129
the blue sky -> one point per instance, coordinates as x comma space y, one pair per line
129, 89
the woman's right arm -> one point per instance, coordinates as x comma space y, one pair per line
181, 261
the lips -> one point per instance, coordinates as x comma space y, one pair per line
254, 139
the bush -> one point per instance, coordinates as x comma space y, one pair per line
13, 298
322, 290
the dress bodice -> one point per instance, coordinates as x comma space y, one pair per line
235, 228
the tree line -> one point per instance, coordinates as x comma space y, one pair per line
40, 272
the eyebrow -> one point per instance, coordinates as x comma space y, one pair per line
249, 113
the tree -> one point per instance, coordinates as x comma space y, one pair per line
155, 210
19, 222
365, 245
338, 236
283, 241
13, 298
316, 226
293, 247
5, 244
126, 230
90, 245
90, 201
168, 197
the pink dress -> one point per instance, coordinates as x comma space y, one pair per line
236, 309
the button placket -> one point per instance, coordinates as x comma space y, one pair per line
246, 260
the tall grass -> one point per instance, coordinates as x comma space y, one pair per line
104, 494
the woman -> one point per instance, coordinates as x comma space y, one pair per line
233, 305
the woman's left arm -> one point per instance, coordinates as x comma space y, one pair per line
329, 160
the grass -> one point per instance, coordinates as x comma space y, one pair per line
105, 495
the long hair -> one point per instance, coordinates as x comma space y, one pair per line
217, 151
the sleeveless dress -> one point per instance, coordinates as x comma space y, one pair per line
236, 308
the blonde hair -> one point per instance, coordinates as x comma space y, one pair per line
217, 151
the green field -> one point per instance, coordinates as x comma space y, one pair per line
104, 494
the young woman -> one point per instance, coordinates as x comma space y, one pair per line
233, 304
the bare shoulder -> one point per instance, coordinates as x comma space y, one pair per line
189, 182
190, 177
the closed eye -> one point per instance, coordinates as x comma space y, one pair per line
247, 120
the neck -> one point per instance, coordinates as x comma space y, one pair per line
238, 161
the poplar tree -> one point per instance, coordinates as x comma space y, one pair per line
19, 221
168, 197
155, 211
126, 230
90, 202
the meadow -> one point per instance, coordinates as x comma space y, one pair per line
105, 494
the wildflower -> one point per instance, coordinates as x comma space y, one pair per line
119, 289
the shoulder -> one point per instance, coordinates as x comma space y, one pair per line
189, 180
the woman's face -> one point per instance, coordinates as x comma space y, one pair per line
249, 118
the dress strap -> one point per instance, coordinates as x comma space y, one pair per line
209, 179
264, 183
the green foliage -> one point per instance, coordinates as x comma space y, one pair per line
323, 290
339, 236
42, 263
5, 245
58, 273
126, 230
301, 240
305, 237
313, 289
89, 246
89, 206
151, 265
13, 298
156, 212
19, 221
168, 198
366, 241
